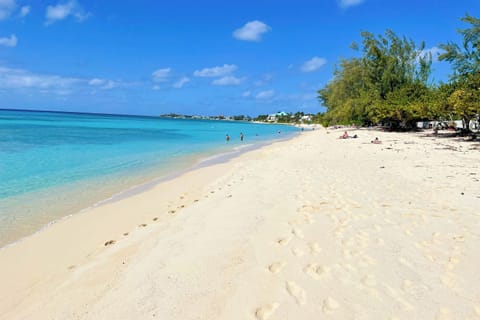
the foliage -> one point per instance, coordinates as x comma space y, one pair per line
465, 59
387, 84
261, 117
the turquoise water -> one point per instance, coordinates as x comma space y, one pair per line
54, 164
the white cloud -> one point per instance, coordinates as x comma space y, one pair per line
6, 8
156, 87
246, 94
434, 51
161, 75
227, 81
20, 79
103, 83
11, 78
313, 64
264, 95
350, 3
251, 31
24, 11
181, 82
221, 71
9, 41
96, 82
64, 10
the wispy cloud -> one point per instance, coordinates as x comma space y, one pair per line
24, 11
228, 81
181, 82
221, 71
161, 75
21, 79
103, 83
63, 10
9, 41
265, 95
313, 64
251, 31
349, 3
11, 78
6, 8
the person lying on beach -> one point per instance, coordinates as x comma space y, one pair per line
376, 141
344, 135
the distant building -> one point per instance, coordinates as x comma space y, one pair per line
306, 118
274, 116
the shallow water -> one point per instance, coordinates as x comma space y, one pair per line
55, 164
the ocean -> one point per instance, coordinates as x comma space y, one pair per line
55, 164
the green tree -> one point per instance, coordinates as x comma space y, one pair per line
465, 61
386, 84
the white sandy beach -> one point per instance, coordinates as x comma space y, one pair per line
310, 228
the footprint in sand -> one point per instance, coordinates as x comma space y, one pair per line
311, 270
155, 219
366, 260
330, 305
284, 241
316, 271
298, 233
297, 252
143, 225
125, 234
276, 267
109, 243
452, 262
266, 311
296, 292
314, 248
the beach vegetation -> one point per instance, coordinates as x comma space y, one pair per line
388, 82
465, 61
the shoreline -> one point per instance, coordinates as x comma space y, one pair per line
312, 225
196, 161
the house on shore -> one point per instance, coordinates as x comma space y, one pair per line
274, 116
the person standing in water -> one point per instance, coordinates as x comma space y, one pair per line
241, 136
227, 137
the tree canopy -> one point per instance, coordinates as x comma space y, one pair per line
465, 59
389, 82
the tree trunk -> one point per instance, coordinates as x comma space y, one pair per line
466, 123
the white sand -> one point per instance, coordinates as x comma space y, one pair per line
311, 228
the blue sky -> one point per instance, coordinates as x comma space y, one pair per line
197, 57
